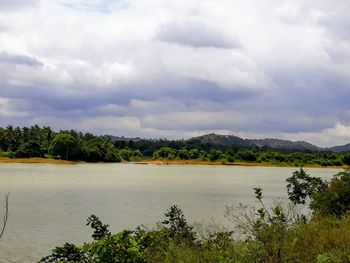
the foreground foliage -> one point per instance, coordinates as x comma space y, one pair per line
275, 235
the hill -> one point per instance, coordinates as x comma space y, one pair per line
222, 140
339, 149
226, 140
285, 144
232, 140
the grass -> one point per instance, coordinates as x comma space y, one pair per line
34, 160
5, 158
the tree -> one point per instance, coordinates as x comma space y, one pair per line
126, 154
302, 186
334, 199
247, 156
346, 159
100, 230
137, 155
215, 155
65, 146
112, 155
183, 154
180, 231
165, 153
94, 150
326, 198
194, 154
29, 149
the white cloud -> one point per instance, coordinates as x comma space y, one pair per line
7, 112
196, 34
337, 135
178, 68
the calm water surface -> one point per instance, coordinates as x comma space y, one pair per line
49, 203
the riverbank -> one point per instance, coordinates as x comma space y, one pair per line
165, 162
262, 164
34, 160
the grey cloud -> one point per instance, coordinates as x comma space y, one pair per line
196, 34
10, 58
154, 92
338, 26
13, 5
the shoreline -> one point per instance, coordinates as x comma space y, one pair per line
198, 162
37, 160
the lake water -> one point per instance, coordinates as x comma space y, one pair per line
49, 204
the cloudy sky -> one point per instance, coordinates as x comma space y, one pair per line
178, 68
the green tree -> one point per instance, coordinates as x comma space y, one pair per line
29, 149
165, 153
215, 155
302, 186
94, 150
176, 222
247, 156
137, 155
126, 154
65, 146
334, 199
183, 154
194, 154
326, 198
346, 159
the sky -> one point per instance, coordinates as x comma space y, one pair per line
178, 68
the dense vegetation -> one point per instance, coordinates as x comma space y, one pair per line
271, 235
38, 141
35, 141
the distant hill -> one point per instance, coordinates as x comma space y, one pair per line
285, 144
122, 138
216, 139
342, 148
228, 140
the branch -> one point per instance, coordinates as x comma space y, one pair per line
6, 214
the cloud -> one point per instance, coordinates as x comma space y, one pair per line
12, 5
196, 34
178, 69
19, 59
102, 6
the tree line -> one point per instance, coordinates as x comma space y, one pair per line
43, 142
35, 141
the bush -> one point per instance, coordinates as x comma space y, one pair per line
177, 225
8, 154
302, 186
334, 199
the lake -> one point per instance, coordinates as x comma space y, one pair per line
49, 204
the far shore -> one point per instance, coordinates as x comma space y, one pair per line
35, 160
199, 162
165, 162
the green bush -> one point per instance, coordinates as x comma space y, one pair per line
8, 154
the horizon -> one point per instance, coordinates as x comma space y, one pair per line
266, 138
183, 138
178, 69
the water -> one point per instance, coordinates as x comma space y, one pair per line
49, 204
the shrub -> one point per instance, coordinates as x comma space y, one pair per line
334, 199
